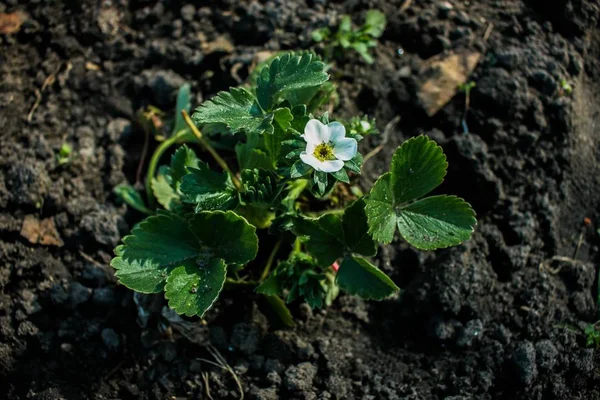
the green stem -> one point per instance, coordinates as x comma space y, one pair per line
270, 261
211, 150
239, 283
160, 150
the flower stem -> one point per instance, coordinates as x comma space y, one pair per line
211, 150
160, 150
233, 283
270, 261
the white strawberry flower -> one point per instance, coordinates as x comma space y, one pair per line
327, 146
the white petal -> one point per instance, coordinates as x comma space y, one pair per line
331, 165
337, 131
310, 160
345, 149
315, 132
324, 166
310, 148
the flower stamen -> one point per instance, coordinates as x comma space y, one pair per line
324, 152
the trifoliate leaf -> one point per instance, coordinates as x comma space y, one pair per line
209, 190
286, 73
227, 235
165, 242
193, 288
357, 276
155, 247
131, 197
237, 109
418, 167
436, 222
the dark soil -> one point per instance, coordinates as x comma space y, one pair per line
495, 318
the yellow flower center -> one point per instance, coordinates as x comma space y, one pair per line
324, 152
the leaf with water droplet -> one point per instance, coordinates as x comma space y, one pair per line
192, 292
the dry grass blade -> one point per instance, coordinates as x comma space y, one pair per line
206, 385
222, 363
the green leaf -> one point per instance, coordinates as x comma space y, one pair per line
345, 24
250, 155
280, 309
341, 176
330, 236
227, 235
302, 278
237, 109
380, 210
359, 277
375, 22
163, 190
294, 190
418, 167
356, 230
286, 73
321, 34
320, 181
182, 159
355, 163
301, 118
193, 288
299, 169
261, 187
272, 286
183, 103
362, 49
209, 190
193, 252
322, 236
282, 118
165, 185
155, 246
131, 197
436, 222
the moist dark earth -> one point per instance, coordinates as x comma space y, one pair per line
499, 317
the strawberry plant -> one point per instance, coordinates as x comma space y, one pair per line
270, 208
